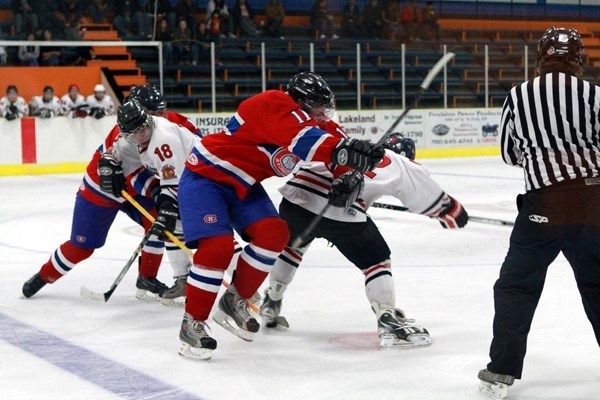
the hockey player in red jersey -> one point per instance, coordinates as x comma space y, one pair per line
347, 226
98, 201
220, 191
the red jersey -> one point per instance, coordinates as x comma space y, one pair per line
139, 180
266, 137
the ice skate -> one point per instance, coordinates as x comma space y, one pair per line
269, 311
175, 295
494, 386
33, 285
234, 316
195, 342
149, 288
395, 330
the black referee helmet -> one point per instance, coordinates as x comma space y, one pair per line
560, 44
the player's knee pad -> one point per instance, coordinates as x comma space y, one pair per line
214, 252
269, 233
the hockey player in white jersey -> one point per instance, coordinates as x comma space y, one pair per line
72, 104
13, 106
100, 104
45, 106
347, 226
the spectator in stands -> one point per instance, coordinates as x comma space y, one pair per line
45, 106
50, 55
13, 106
24, 17
391, 21
243, 19
412, 21
187, 9
164, 34
47, 12
225, 22
72, 10
182, 44
373, 20
274, 15
28, 55
129, 18
100, 104
3, 55
351, 21
98, 11
321, 20
202, 46
431, 27
72, 104
164, 10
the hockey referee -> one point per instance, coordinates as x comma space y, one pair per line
550, 128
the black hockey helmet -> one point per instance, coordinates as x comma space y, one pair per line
401, 145
560, 43
313, 93
149, 97
132, 118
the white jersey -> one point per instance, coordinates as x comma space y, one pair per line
166, 153
395, 176
38, 104
106, 103
68, 106
21, 107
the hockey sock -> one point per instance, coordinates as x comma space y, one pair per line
64, 258
179, 259
283, 272
151, 257
206, 275
379, 285
268, 238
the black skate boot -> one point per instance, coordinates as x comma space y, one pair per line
33, 285
177, 291
494, 385
195, 342
234, 316
270, 310
395, 330
149, 288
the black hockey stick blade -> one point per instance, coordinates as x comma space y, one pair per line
473, 218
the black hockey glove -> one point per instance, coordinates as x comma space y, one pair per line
112, 179
453, 214
97, 112
10, 116
358, 154
168, 212
80, 111
346, 189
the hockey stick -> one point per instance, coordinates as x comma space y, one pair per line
88, 294
298, 241
172, 237
471, 217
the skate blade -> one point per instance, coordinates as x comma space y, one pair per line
144, 295
227, 322
392, 341
277, 322
173, 302
496, 391
194, 353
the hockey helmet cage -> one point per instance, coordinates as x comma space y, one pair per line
132, 118
313, 93
401, 145
149, 97
560, 43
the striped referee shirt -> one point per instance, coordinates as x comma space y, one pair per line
550, 127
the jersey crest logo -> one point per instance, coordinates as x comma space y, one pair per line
540, 219
283, 162
210, 218
168, 172
192, 159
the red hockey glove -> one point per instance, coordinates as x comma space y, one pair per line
453, 214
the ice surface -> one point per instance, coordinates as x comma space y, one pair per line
126, 348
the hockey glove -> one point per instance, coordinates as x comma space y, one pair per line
346, 189
97, 112
112, 179
80, 111
10, 116
358, 154
453, 214
168, 212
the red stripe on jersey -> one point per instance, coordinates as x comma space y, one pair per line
292, 253
28, 144
311, 180
376, 267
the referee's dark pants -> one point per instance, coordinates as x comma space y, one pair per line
563, 217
